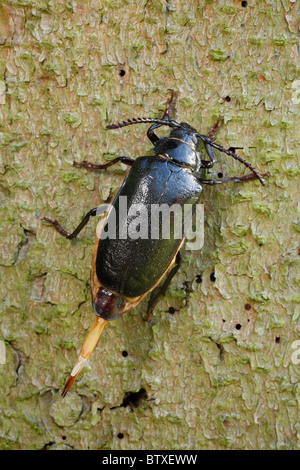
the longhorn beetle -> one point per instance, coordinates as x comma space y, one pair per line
125, 270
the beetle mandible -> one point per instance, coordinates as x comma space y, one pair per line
125, 270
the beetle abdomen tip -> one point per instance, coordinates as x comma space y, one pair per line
108, 305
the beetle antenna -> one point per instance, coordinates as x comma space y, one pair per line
85, 352
171, 123
233, 155
164, 122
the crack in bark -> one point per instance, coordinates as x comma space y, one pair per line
131, 399
24, 245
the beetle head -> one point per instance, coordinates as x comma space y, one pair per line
180, 146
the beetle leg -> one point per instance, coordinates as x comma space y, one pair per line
208, 163
166, 117
161, 290
211, 134
151, 135
169, 107
64, 233
92, 166
238, 179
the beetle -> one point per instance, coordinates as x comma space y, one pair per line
124, 270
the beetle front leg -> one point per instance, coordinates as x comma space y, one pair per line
161, 290
64, 233
211, 135
93, 166
214, 129
169, 106
151, 135
208, 163
238, 179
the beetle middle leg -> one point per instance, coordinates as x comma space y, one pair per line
161, 290
70, 235
93, 166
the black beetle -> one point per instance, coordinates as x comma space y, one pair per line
124, 270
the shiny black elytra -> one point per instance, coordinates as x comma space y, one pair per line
124, 271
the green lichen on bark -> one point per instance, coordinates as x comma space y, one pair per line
213, 368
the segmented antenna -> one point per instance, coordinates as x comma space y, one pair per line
206, 139
129, 122
240, 159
